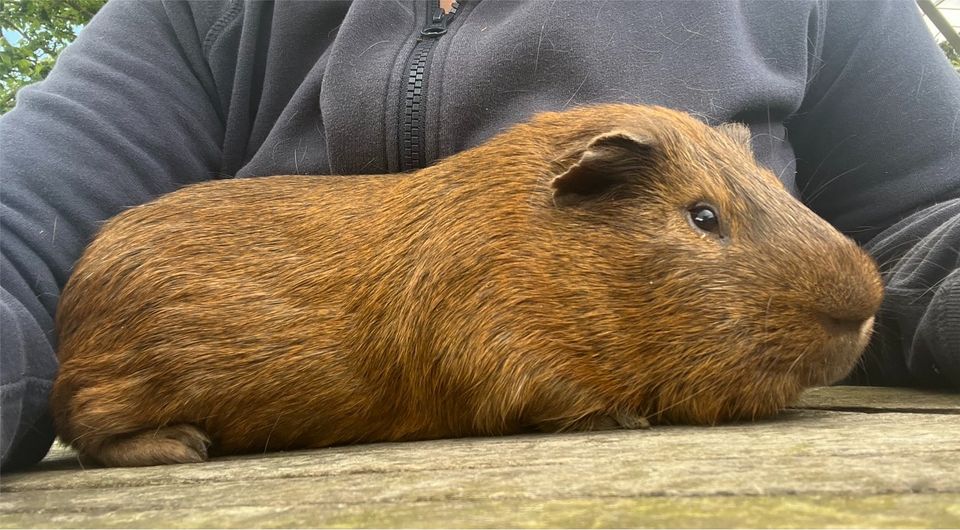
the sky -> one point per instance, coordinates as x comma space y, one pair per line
12, 36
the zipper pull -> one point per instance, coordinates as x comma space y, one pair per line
438, 22
437, 25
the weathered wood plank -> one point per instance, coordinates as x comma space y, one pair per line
868, 398
796, 439
794, 511
805, 468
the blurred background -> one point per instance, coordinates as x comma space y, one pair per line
34, 32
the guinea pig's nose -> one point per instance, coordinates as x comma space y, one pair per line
849, 294
849, 307
843, 325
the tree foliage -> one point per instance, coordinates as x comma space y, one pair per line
34, 33
952, 54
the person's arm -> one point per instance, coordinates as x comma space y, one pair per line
129, 112
877, 142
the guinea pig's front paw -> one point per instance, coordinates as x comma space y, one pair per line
625, 420
600, 422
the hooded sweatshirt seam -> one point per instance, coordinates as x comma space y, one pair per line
216, 30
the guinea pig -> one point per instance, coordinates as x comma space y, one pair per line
604, 267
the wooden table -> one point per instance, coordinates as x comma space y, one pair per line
844, 456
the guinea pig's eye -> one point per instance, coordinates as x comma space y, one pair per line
705, 218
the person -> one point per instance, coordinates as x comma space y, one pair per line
851, 103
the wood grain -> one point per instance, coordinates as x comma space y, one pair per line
805, 468
868, 399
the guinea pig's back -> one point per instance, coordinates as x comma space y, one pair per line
187, 246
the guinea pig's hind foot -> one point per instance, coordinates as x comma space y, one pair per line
173, 444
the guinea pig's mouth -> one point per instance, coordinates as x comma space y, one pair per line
776, 373
828, 358
843, 351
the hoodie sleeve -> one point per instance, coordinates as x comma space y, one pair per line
877, 141
129, 112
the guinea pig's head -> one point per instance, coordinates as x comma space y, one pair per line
725, 296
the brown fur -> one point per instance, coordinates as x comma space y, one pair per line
549, 279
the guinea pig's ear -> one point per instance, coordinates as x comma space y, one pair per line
610, 163
737, 132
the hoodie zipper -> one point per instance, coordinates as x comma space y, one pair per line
413, 102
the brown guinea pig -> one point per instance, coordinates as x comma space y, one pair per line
590, 269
